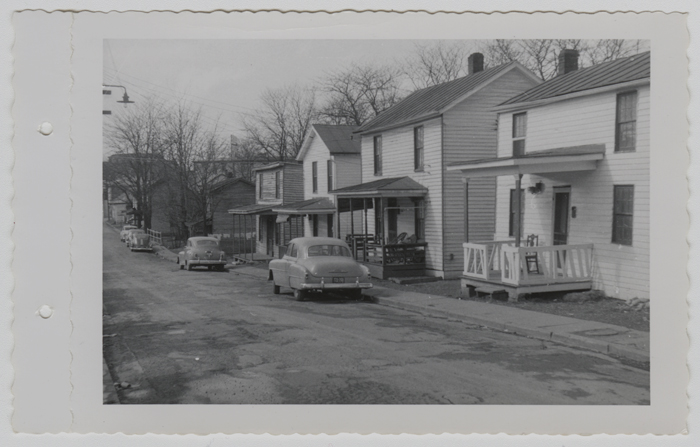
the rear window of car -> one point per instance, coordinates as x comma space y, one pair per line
328, 250
206, 243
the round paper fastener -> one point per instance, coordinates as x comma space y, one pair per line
45, 128
45, 311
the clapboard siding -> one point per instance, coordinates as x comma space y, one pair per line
397, 154
292, 183
621, 271
470, 134
228, 197
348, 169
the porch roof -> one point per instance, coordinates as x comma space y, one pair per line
565, 159
386, 187
318, 205
256, 208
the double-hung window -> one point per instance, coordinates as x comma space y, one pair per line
278, 185
314, 176
378, 155
418, 148
329, 167
626, 122
623, 213
519, 131
260, 186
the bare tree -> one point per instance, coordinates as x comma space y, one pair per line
278, 128
136, 163
435, 63
359, 93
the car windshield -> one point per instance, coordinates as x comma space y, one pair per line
206, 243
328, 250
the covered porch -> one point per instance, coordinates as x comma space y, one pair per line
383, 222
521, 267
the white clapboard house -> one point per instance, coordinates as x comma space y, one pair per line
572, 209
413, 210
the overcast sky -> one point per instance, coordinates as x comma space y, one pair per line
227, 77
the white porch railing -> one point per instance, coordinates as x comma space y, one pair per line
156, 237
501, 261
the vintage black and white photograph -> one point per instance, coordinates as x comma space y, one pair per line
377, 221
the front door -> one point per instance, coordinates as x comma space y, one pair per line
392, 219
270, 235
560, 234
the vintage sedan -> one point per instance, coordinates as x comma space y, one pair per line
321, 264
125, 230
129, 233
202, 251
139, 241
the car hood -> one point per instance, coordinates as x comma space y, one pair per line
329, 266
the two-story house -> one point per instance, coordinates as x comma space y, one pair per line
276, 184
414, 210
331, 158
573, 185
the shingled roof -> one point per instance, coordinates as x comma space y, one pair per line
622, 70
431, 101
338, 138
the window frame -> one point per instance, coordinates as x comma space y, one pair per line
619, 123
617, 213
518, 148
314, 176
278, 185
418, 148
260, 185
329, 174
378, 159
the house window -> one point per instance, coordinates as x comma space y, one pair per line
106, 92
378, 155
314, 176
329, 224
260, 178
519, 129
511, 219
626, 122
418, 148
314, 224
419, 214
278, 185
623, 210
329, 167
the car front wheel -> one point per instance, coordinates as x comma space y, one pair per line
276, 289
189, 266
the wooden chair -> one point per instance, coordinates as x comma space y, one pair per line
532, 263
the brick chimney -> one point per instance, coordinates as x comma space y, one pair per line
568, 61
476, 63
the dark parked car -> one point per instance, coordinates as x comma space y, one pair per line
202, 251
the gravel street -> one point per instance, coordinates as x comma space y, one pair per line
203, 337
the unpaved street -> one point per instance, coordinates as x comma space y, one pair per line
173, 336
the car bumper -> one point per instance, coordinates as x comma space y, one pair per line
207, 262
336, 286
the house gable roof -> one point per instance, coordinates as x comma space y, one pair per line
317, 205
432, 101
224, 183
619, 71
337, 138
403, 185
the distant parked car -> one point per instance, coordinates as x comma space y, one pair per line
125, 230
202, 251
319, 263
139, 241
127, 239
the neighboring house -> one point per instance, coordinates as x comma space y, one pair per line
331, 158
227, 194
117, 205
275, 184
407, 195
575, 149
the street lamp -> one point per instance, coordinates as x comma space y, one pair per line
125, 98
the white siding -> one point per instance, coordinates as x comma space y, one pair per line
397, 151
620, 271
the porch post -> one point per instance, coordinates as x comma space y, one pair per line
518, 211
245, 235
466, 209
364, 244
352, 229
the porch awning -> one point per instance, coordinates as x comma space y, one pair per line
252, 209
318, 205
566, 159
386, 187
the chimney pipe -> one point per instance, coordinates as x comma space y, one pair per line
476, 63
568, 61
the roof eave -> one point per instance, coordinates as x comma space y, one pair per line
401, 124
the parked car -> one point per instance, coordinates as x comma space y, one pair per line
127, 239
124, 232
202, 251
319, 263
139, 241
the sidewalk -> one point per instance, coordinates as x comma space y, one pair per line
600, 337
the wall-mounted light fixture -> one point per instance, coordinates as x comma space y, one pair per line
537, 188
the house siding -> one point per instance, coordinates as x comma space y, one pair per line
620, 271
228, 197
470, 134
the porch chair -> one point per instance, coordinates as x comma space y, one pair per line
531, 262
391, 252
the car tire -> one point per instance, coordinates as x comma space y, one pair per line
299, 294
355, 294
275, 289
189, 266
